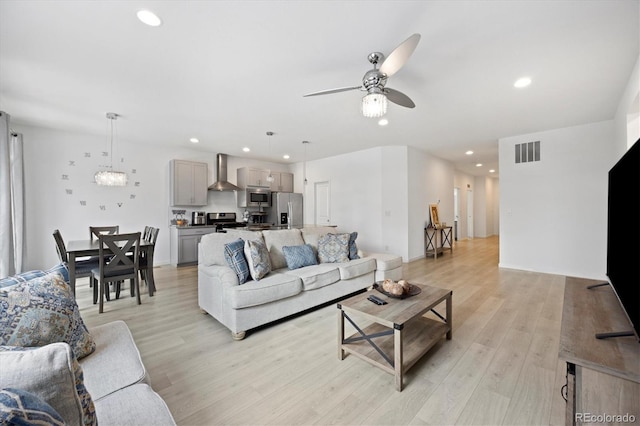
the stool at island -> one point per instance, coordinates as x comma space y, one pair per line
437, 240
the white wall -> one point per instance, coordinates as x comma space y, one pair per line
627, 118
553, 212
384, 194
49, 155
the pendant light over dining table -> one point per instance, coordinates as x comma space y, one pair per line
270, 177
111, 177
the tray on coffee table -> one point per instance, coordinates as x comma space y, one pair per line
413, 290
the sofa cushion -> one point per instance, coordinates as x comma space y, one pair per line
316, 276
277, 239
115, 364
42, 311
299, 256
257, 258
19, 407
52, 373
134, 405
269, 289
356, 268
234, 254
333, 248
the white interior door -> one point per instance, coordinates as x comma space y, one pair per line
322, 203
469, 213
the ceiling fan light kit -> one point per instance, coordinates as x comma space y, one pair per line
374, 103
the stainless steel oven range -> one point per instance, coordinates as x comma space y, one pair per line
223, 221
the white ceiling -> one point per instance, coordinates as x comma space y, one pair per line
227, 72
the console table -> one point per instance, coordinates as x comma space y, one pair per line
437, 240
603, 375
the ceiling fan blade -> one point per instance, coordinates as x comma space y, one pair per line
396, 59
326, 92
399, 98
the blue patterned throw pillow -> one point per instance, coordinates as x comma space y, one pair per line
299, 256
258, 259
42, 311
333, 248
19, 407
234, 254
353, 248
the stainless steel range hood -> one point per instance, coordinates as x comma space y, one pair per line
221, 183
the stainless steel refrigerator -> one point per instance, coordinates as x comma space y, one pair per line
286, 209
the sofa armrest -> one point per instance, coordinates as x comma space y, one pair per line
212, 282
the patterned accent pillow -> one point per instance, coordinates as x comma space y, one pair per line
19, 407
60, 268
353, 248
234, 254
258, 259
42, 311
52, 373
333, 248
299, 256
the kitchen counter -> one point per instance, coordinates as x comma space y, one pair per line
184, 243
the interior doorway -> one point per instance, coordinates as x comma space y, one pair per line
322, 205
456, 212
469, 213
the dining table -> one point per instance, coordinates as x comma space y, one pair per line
82, 248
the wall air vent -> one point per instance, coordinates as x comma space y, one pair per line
527, 152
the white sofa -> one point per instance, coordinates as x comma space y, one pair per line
283, 292
54, 370
114, 377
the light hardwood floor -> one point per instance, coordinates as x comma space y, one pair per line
501, 367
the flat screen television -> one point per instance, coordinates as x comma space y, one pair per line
623, 234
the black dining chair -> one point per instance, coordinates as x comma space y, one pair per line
96, 231
116, 264
83, 266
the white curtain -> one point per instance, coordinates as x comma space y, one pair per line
12, 232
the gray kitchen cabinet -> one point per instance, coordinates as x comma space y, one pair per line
250, 176
188, 180
184, 243
282, 182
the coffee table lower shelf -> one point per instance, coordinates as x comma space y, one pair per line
405, 346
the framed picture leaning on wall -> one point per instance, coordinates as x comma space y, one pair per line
433, 214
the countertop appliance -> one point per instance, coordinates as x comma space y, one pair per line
198, 219
224, 220
286, 209
254, 197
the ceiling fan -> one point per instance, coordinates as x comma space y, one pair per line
374, 103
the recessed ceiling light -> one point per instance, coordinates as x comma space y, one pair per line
469, 152
492, 171
522, 82
479, 165
246, 149
194, 140
149, 18
383, 122
286, 156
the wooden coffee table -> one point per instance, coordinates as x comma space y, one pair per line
400, 335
